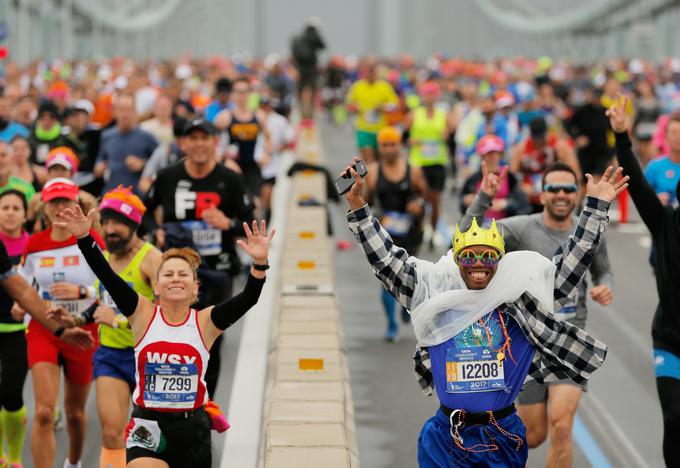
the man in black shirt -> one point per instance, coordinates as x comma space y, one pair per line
205, 203
589, 127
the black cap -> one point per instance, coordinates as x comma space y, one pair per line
200, 124
538, 127
48, 107
223, 85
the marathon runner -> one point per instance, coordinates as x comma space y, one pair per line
136, 262
663, 223
479, 338
429, 129
369, 98
208, 202
510, 199
53, 264
533, 155
401, 191
550, 408
13, 362
282, 135
170, 422
244, 127
12, 335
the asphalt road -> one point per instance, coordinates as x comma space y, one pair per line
620, 411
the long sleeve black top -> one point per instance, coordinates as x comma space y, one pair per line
223, 315
663, 223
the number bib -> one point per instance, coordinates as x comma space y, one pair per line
207, 239
396, 223
72, 306
568, 310
430, 149
473, 370
170, 385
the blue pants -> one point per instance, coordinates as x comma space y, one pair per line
436, 448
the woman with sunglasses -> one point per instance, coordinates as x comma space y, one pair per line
170, 425
550, 408
484, 321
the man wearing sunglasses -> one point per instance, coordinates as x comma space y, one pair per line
484, 321
550, 408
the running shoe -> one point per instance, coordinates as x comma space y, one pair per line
392, 334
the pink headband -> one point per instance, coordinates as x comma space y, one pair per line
122, 208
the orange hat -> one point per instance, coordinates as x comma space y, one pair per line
389, 135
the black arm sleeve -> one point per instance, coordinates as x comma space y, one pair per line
226, 313
5, 262
123, 295
647, 202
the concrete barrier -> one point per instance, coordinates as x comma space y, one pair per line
308, 419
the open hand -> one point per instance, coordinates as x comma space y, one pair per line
618, 118
609, 186
257, 241
75, 221
491, 181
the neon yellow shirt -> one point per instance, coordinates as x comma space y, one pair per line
429, 133
370, 98
121, 337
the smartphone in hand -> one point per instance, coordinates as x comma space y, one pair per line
345, 181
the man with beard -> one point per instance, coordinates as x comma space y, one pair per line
485, 321
136, 262
550, 408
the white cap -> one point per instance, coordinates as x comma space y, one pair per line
84, 105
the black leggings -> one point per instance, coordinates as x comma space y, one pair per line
669, 396
13, 369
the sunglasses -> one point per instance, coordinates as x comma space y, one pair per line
468, 258
555, 188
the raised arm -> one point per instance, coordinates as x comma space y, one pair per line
79, 225
574, 257
389, 262
223, 315
647, 202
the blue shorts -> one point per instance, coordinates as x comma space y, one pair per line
116, 363
666, 364
436, 448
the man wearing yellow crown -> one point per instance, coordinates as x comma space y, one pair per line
484, 321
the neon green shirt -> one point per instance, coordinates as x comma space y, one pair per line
121, 337
370, 98
20, 185
429, 133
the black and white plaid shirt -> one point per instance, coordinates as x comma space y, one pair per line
563, 350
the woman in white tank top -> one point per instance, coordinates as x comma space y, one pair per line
169, 425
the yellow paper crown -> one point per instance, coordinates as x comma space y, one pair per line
479, 236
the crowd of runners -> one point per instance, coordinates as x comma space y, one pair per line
125, 185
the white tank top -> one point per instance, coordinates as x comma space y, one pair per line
170, 365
